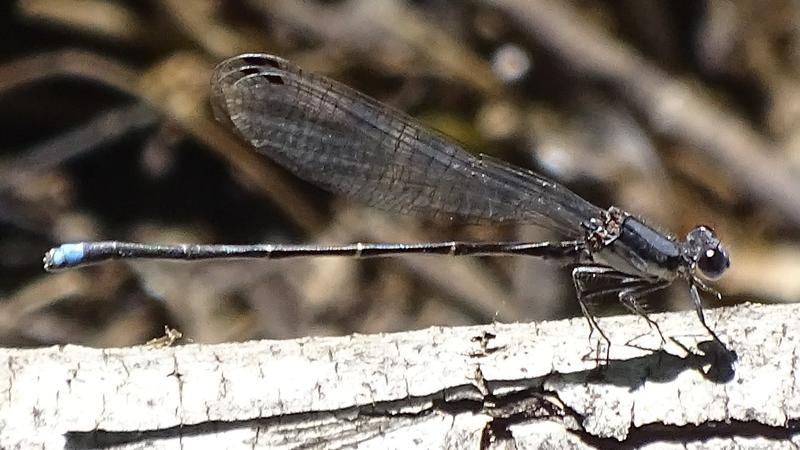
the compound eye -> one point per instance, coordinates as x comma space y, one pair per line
713, 262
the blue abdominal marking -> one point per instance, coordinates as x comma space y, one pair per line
68, 254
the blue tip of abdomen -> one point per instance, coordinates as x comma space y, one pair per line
67, 255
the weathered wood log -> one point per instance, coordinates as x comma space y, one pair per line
493, 386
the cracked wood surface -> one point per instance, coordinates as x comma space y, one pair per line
494, 386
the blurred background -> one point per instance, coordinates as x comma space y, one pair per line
684, 112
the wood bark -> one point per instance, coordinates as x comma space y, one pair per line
536, 385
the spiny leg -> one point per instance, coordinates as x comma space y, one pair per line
600, 281
630, 299
581, 276
594, 326
730, 356
698, 306
706, 288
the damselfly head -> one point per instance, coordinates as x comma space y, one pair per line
707, 253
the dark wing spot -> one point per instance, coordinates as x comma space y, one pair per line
271, 78
261, 61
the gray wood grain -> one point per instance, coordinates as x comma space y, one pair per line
494, 386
